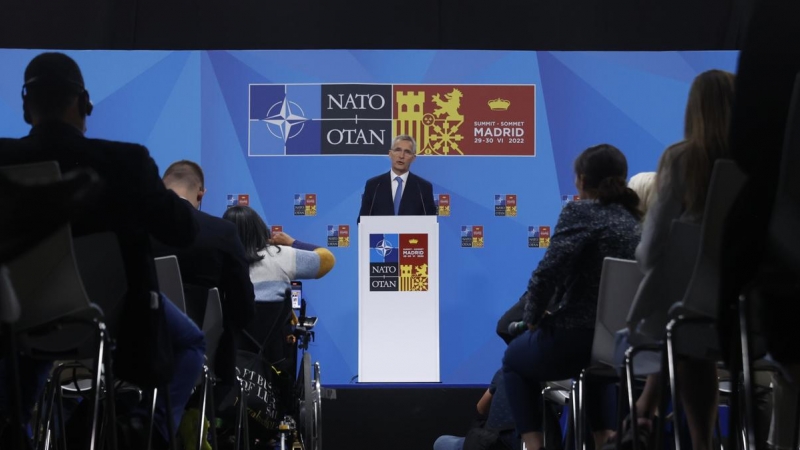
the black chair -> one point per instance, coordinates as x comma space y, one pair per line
59, 321
9, 315
204, 307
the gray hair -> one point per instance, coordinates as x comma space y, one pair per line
405, 137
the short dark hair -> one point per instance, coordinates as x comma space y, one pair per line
185, 172
253, 231
52, 82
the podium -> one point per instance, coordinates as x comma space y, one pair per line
398, 299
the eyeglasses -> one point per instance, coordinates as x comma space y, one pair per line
399, 150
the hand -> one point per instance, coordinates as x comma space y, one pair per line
281, 238
532, 327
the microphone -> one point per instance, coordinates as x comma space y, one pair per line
419, 191
517, 328
373, 198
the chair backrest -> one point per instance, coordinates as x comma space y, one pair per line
102, 270
702, 293
9, 304
212, 324
196, 298
665, 283
619, 282
46, 278
784, 241
169, 280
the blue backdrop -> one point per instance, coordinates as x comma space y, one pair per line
194, 105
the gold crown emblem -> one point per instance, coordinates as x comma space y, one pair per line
413, 241
499, 104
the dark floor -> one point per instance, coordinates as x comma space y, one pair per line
396, 418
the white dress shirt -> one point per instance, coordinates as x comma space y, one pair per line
404, 177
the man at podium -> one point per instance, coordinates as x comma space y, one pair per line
399, 192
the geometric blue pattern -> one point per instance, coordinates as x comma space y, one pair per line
196, 105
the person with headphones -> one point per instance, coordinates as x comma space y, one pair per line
154, 346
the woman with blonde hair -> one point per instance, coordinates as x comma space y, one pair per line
644, 184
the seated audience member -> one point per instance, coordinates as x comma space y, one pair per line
216, 259
495, 430
133, 204
604, 223
682, 182
275, 260
644, 184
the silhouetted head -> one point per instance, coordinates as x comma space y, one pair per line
53, 89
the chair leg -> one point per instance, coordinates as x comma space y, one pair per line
750, 442
629, 354
241, 416
151, 426
676, 417
237, 426
581, 413
576, 422
41, 416
203, 399
62, 435
96, 389
212, 415
545, 390
734, 421
111, 401
50, 404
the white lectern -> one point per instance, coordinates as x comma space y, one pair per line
398, 299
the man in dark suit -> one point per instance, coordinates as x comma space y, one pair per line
215, 259
133, 204
399, 192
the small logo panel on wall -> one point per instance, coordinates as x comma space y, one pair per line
539, 236
338, 235
565, 199
398, 262
305, 204
442, 204
472, 236
505, 205
238, 199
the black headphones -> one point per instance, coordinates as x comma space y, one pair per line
85, 106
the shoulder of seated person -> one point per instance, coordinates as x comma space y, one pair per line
116, 150
581, 210
582, 205
118, 145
